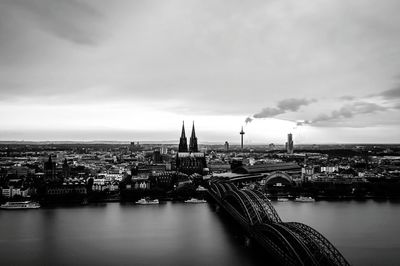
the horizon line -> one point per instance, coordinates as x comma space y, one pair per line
176, 142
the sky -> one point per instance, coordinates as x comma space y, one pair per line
326, 71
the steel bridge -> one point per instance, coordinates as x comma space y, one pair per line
290, 243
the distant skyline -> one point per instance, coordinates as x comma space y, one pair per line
326, 71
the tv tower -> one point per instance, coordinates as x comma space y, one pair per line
241, 138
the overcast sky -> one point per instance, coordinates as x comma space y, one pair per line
327, 71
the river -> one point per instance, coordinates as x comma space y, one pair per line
367, 233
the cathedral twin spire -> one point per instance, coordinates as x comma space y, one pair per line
183, 141
183, 147
193, 141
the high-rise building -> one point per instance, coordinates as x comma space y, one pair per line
183, 141
226, 146
289, 144
193, 141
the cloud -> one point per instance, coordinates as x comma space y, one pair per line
268, 112
349, 111
347, 98
74, 21
391, 93
293, 104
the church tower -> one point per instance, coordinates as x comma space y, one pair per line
190, 161
183, 141
193, 141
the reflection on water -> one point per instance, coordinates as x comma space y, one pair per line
181, 234
121, 234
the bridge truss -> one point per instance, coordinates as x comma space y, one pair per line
291, 243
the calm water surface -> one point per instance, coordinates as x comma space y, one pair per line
367, 233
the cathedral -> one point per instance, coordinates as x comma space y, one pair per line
188, 159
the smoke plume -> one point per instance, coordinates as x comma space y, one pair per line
283, 106
350, 110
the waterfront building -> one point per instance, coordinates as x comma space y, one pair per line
102, 184
66, 189
10, 192
164, 179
